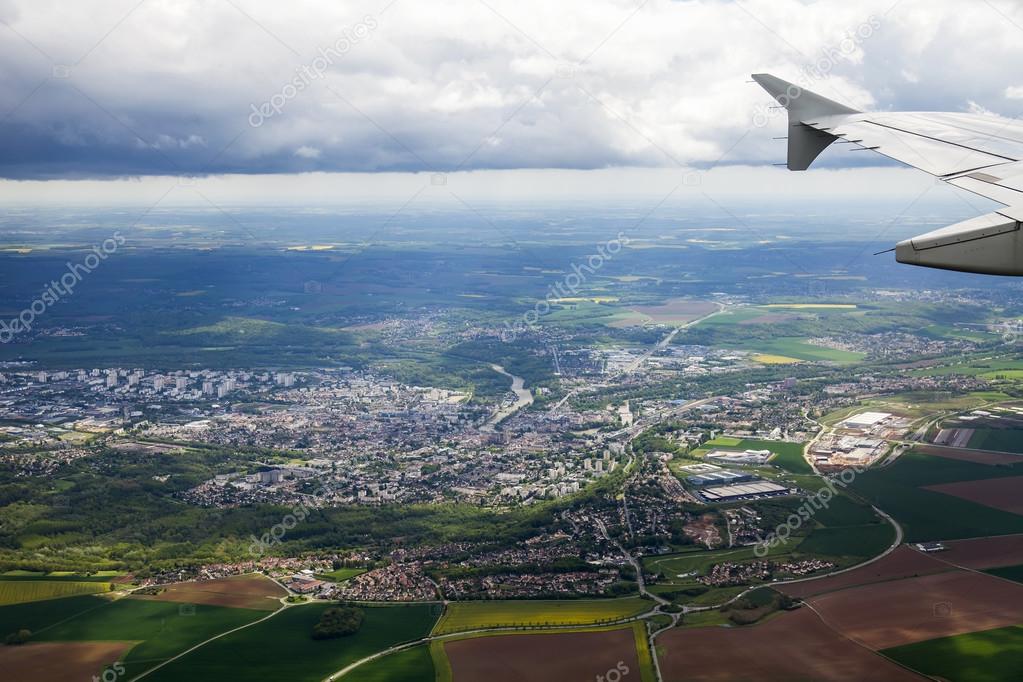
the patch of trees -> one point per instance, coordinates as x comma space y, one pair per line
338, 621
19, 637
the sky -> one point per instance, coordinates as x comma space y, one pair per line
258, 100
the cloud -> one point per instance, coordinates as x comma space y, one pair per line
307, 152
102, 88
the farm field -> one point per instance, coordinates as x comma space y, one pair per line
897, 612
902, 563
98, 576
675, 311
410, 665
41, 614
59, 661
860, 541
242, 591
997, 493
282, 648
970, 455
548, 657
984, 553
930, 515
1014, 573
1003, 440
161, 629
700, 654
20, 591
988, 656
462, 616
798, 349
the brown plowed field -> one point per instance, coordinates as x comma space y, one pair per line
59, 661
241, 592
902, 563
965, 455
544, 658
899, 612
792, 646
999, 493
982, 553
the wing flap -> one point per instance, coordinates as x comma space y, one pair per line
929, 155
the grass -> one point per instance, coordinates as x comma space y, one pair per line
163, 629
20, 591
724, 441
341, 574
441, 664
788, 456
411, 665
703, 619
988, 656
281, 648
461, 616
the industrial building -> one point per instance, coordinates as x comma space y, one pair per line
743, 491
718, 478
747, 457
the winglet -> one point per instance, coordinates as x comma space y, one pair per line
805, 142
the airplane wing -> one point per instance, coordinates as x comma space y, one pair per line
982, 154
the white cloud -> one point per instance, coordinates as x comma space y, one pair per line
452, 84
307, 152
1014, 92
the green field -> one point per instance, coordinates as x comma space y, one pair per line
788, 456
19, 591
989, 656
929, 515
282, 647
1004, 440
98, 576
341, 574
410, 665
799, 349
849, 541
1014, 573
163, 629
461, 616
38, 615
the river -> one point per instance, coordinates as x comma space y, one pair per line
522, 394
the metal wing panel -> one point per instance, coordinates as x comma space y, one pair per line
991, 134
930, 155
